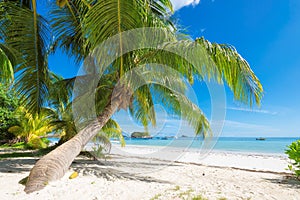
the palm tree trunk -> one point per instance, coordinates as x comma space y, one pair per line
54, 165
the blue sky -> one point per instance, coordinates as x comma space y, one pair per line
266, 33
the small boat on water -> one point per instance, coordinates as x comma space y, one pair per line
260, 138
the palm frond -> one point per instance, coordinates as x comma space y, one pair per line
142, 107
178, 104
60, 93
67, 25
140, 80
235, 70
108, 18
206, 61
113, 130
29, 34
110, 130
6, 65
162, 7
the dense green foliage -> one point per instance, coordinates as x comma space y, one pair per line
8, 105
293, 152
18, 127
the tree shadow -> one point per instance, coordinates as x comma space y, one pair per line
119, 168
286, 181
20, 153
17, 165
113, 174
16, 155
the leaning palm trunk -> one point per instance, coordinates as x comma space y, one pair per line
54, 165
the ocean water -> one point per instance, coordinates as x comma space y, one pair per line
229, 144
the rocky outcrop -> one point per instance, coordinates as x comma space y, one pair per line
144, 135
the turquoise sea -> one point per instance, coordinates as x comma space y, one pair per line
230, 144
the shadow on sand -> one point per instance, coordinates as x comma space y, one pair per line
286, 181
17, 165
118, 167
112, 169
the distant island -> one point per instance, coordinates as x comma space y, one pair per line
141, 135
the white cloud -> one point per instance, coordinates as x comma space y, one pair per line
177, 4
252, 110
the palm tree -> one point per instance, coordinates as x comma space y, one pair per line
80, 26
32, 127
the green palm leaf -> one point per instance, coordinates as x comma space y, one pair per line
206, 61
7, 60
142, 107
108, 18
168, 87
113, 130
27, 32
67, 25
235, 70
178, 104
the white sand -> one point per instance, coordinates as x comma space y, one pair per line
243, 160
213, 176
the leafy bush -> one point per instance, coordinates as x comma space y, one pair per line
8, 105
293, 152
98, 151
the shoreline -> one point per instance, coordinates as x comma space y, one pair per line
241, 160
248, 145
192, 149
119, 176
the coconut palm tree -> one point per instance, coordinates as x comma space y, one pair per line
80, 26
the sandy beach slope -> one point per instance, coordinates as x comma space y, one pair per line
138, 173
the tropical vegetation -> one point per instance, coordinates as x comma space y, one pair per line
8, 105
32, 127
293, 153
78, 27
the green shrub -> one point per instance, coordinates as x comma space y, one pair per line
293, 152
37, 143
97, 151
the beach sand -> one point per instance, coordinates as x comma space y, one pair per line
140, 173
